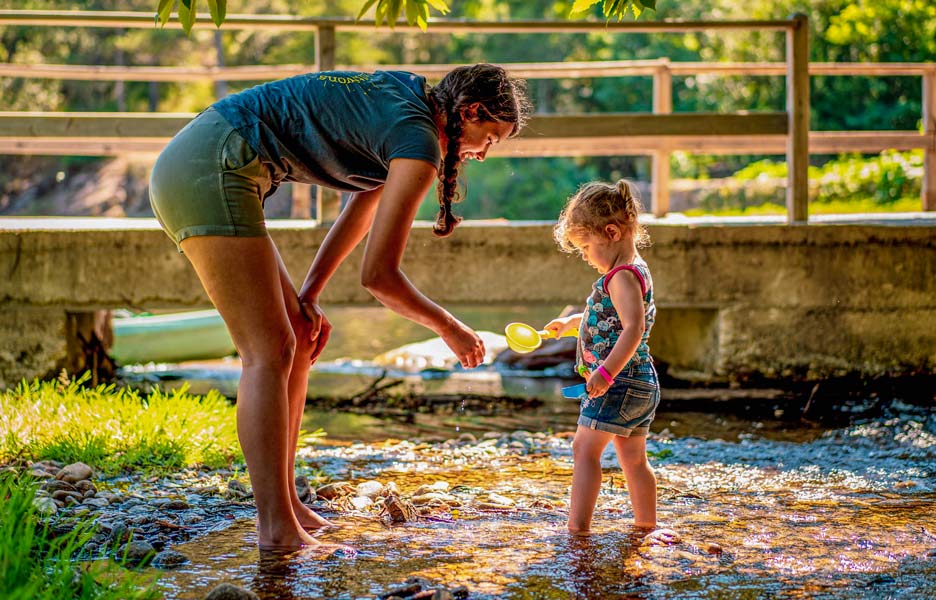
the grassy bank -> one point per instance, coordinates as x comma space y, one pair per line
37, 560
116, 429
113, 430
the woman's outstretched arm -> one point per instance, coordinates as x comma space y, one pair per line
407, 184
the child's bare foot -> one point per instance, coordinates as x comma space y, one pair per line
579, 532
662, 537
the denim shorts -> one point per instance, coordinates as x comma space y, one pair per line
209, 181
628, 407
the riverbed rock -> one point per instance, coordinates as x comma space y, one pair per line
399, 510
361, 502
440, 486
302, 489
75, 472
337, 489
45, 505
500, 500
96, 502
369, 489
229, 591
169, 559
236, 489
662, 537
135, 552
435, 498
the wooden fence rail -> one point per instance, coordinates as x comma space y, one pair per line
656, 135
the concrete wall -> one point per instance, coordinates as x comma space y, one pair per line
737, 298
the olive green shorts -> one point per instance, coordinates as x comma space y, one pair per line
209, 181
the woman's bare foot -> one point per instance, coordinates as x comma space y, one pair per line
288, 538
309, 519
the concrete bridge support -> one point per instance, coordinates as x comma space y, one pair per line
737, 299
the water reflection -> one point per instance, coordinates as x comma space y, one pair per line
849, 513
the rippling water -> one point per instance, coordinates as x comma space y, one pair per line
842, 513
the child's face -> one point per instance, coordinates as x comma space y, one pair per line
599, 251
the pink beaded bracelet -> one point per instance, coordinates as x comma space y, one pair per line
605, 374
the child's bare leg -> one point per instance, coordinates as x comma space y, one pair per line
586, 476
641, 482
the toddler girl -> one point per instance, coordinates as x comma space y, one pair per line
600, 223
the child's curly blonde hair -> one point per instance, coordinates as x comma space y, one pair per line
596, 205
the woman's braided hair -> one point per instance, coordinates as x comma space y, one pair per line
500, 98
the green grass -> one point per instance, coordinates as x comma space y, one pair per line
116, 429
37, 564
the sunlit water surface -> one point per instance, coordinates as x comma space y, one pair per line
844, 513
768, 505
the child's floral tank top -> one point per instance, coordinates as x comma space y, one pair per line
601, 324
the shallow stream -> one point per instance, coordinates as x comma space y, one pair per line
840, 513
767, 503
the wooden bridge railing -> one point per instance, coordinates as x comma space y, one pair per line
656, 134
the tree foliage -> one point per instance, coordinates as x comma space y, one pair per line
388, 12
840, 31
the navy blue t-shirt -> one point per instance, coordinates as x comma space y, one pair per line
339, 129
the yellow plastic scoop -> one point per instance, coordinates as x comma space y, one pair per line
523, 339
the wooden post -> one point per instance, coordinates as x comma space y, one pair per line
327, 202
325, 48
301, 207
220, 85
797, 105
660, 174
929, 129
327, 205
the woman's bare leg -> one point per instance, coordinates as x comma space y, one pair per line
241, 277
587, 448
297, 390
641, 482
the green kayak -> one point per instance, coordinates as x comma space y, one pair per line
173, 337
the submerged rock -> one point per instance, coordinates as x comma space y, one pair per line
168, 559
229, 591
399, 510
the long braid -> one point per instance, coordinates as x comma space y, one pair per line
500, 99
448, 176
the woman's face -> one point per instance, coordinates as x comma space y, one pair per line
478, 136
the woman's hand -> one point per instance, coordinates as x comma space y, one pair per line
319, 328
596, 385
466, 344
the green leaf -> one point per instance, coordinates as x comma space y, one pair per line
423, 19
440, 5
580, 6
393, 11
412, 12
381, 13
163, 10
187, 12
364, 9
637, 6
218, 9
